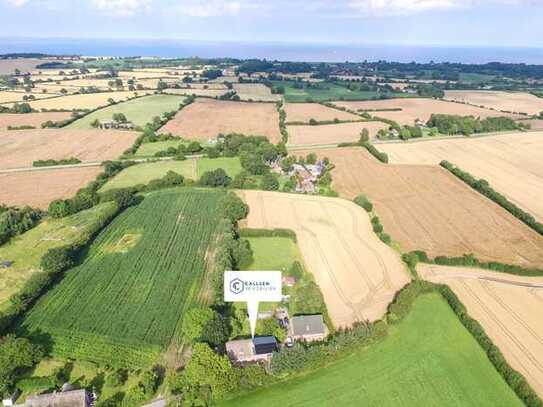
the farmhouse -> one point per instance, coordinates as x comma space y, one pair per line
74, 398
251, 350
307, 328
111, 124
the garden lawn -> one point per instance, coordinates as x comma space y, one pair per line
125, 303
139, 111
146, 172
273, 253
429, 359
231, 165
26, 250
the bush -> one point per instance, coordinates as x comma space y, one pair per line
383, 157
215, 178
363, 201
57, 259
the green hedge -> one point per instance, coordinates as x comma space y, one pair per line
514, 379
268, 233
484, 188
53, 263
383, 157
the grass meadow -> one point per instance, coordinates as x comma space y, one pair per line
429, 359
139, 111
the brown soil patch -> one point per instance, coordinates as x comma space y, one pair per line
21, 147
331, 133
507, 308
31, 119
427, 208
303, 112
206, 118
520, 102
510, 162
417, 108
357, 273
39, 188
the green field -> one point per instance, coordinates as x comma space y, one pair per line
125, 302
429, 359
139, 111
26, 250
273, 253
190, 168
475, 77
149, 149
327, 92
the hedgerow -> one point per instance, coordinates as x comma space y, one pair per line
482, 186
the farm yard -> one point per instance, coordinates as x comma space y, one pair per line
417, 108
255, 91
511, 163
206, 118
39, 188
20, 148
26, 250
357, 273
504, 305
518, 102
141, 274
427, 208
303, 112
331, 133
190, 168
421, 362
139, 111
82, 102
31, 119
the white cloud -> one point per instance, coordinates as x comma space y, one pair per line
213, 8
403, 7
17, 3
122, 7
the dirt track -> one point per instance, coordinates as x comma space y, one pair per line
38, 189
427, 208
357, 273
509, 309
19, 148
510, 162
206, 118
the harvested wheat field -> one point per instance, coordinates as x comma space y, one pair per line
39, 188
357, 273
331, 133
196, 91
417, 108
87, 101
303, 112
427, 208
519, 102
206, 118
255, 91
8, 66
10, 97
508, 307
510, 162
31, 119
20, 148
535, 124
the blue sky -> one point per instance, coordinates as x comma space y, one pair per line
413, 22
